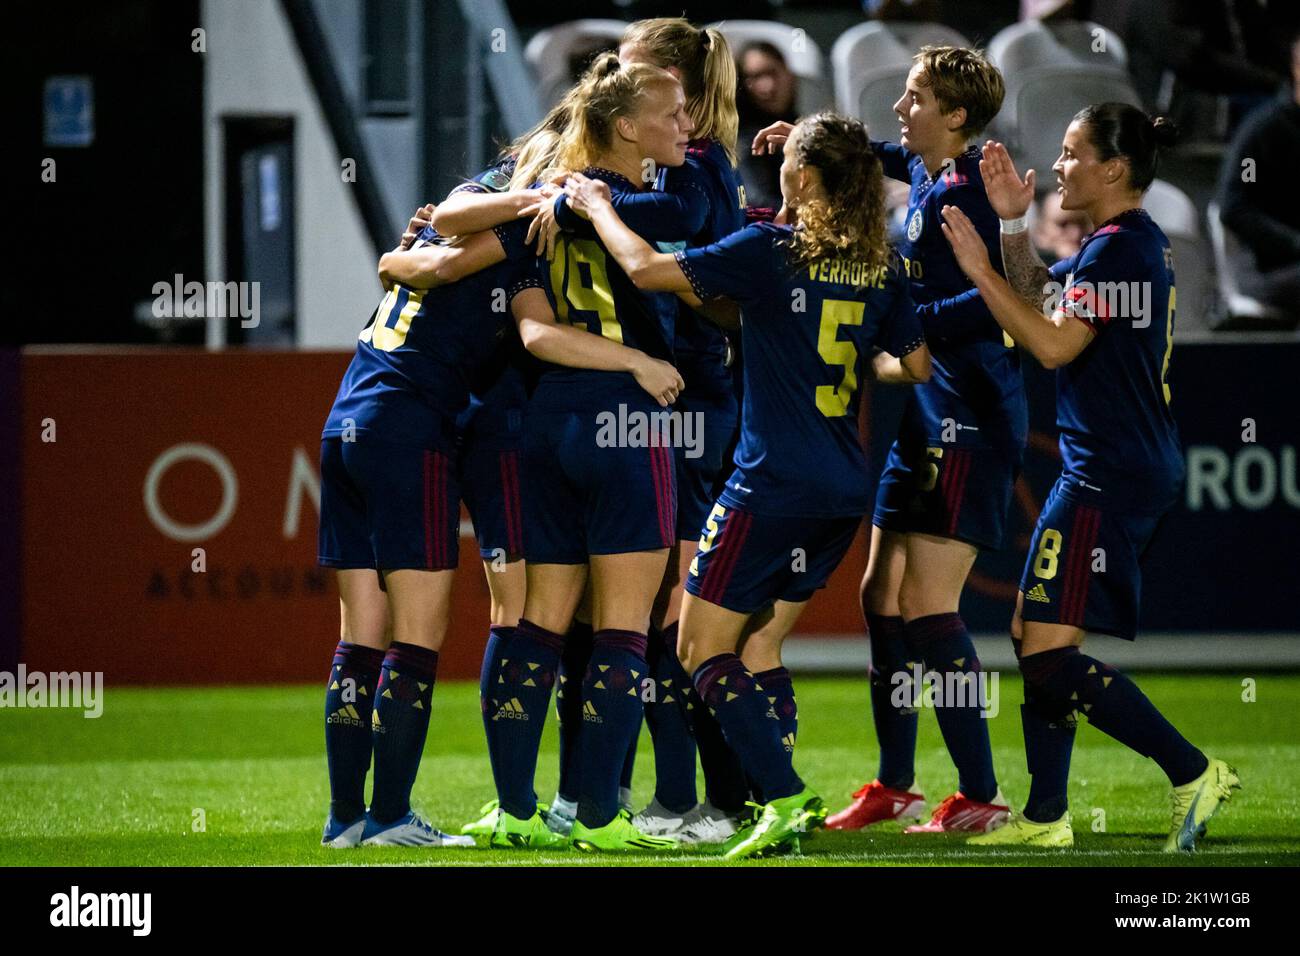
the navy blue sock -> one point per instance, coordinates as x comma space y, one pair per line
776, 684
892, 674
749, 723
1115, 706
496, 647
401, 722
568, 706
523, 693
725, 785
673, 743
946, 648
349, 699
611, 711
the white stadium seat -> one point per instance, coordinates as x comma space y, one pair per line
1233, 260
802, 55
1175, 213
549, 51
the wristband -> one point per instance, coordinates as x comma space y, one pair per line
1012, 226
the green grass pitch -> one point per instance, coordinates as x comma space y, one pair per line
124, 789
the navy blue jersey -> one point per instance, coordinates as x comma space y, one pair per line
976, 384
418, 356
1118, 437
699, 345
807, 331
589, 289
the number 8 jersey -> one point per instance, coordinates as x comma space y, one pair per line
808, 331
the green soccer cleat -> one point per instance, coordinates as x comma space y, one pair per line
1195, 802
778, 828
481, 829
1019, 831
511, 833
617, 836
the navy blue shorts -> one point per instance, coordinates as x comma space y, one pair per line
387, 507
1083, 566
581, 498
697, 477
489, 486
745, 561
951, 492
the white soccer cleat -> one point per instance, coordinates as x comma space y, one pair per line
658, 820
410, 830
707, 824
339, 836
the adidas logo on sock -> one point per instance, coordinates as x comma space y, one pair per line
788, 742
511, 710
589, 713
1038, 593
347, 714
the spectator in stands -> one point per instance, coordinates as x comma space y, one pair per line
1255, 196
1224, 47
767, 91
1058, 233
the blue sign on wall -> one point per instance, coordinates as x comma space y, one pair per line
69, 111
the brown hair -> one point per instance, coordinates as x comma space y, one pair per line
960, 77
708, 73
605, 92
850, 221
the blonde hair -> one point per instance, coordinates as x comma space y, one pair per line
850, 221
606, 92
707, 68
536, 150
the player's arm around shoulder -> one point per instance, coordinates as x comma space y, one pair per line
435, 264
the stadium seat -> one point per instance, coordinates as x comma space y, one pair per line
1175, 213
550, 51
802, 55
870, 61
1032, 43
1232, 261
1047, 97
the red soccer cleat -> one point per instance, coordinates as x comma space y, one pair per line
875, 803
957, 814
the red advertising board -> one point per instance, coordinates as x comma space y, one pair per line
133, 459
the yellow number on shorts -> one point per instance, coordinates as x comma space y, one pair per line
1049, 549
572, 293
1169, 345
931, 476
833, 400
393, 318
706, 539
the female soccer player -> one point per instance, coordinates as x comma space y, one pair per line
947, 485
815, 300
1121, 462
700, 58
598, 483
389, 504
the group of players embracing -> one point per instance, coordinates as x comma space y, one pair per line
638, 578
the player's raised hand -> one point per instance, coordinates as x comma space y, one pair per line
1009, 196
972, 255
771, 139
660, 379
423, 216
585, 193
